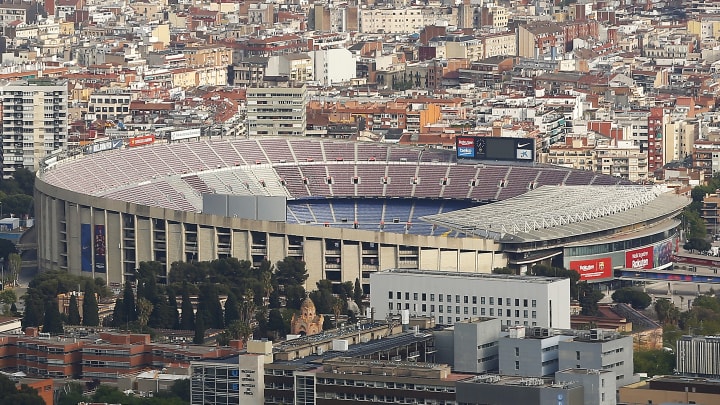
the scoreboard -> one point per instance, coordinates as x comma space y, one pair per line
494, 148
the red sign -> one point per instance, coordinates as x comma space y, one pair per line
639, 259
141, 140
593, 269
469, 142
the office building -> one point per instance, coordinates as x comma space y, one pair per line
34, 122
239, 379
452, 297
276, 111
599, 349
698, 356
672, 389
531, 354
598, 385
475, 345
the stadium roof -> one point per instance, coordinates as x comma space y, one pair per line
555, 212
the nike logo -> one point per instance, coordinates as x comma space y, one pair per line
522, 145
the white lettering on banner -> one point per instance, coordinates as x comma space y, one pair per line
587, 267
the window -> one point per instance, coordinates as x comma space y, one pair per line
482, 311
517, 352
499, 301
457, 299
399, 306
465, 310
492, 300
534, 314
577, 355
440, 309
423, 308
534, 303
509, 313
440, 297
432, 307
465, 299
517, 365
474, 311
482, 300
424, 296
440, 319
407, 296
432, 297
449, 309
492, 311
399, 295
390, 305
449, 298
517, 313
525, 313
517, 302
525, 303
457, 309
415, 296
474, 301
390, 295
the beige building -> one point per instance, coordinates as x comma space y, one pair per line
680, 137
671, 390
398, 21
503, 44
207, 56
575, 153
622, 159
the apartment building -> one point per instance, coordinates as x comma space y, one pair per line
698, 356
621, 159
34, 122
396, 20
277, 111
110, 104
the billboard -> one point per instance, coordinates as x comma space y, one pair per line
639, 259
663, 253
141, 140
494, 148
103, 146
593, 269
100, 248
185, 134
85, 247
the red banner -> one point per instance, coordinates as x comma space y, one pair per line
639, 259
467, 142
141, 140
593, 269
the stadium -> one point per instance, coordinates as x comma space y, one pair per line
347, 209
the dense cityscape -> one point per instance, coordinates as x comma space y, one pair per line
439, 202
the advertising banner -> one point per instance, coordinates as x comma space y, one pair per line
465, 147
639, 259
593, 269
141, 140
663, 253
100, 248
85, 247
185, 134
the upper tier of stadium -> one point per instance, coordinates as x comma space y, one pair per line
175, 175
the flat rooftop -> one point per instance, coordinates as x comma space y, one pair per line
461, 275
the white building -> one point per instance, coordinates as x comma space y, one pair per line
452, 297
34, 122
333, 66
392, 20
276, 111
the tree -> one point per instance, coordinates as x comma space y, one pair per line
14, 266
654, 362
209, 307
276, 323
232, 310
18, 204
636, 298
181, 389
187, 321
34, 310
337, 309
323, 297
118, 317
358, 294
667, 312
589, 298
144, 309
199, 337
6, 249
699, 244
129, 310
173, 308
52, 323
10, 395
291, 271
503, 270
7, 298
90, 306
294, 296
73, 311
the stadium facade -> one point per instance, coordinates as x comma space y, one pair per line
350, 209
